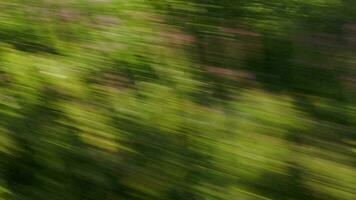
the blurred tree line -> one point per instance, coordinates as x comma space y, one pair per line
177, 99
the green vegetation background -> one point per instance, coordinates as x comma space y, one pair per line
177, 99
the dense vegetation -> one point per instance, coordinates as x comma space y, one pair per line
177, 99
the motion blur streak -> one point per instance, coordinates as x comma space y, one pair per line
177, 99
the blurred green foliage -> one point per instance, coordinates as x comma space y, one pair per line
177, 99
